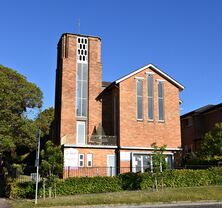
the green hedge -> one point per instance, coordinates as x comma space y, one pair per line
127, 181
88, 185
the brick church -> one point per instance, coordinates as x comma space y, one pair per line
108, 128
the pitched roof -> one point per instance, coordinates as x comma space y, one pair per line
106, 84
202, 110
151, 66
157, 70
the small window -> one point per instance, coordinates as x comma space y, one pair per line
139, 98
81, 134
89, 160
160, 101
188, 122
81, 160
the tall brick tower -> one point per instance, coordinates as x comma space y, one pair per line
78, 83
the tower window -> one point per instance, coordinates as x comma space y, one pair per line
82, 47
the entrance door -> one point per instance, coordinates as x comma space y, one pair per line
111, 165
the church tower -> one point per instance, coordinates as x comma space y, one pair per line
78, 83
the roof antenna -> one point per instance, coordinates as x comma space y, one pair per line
78, 25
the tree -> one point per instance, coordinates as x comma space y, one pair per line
17, 131
212, 143
52, 160
158, 158
159, 164
44, 122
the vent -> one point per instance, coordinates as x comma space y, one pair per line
82, 49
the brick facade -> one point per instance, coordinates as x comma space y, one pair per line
114, 136
143, 133
195, 124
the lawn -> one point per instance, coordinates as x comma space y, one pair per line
129, 197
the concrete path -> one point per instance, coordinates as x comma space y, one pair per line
4, 204
174, 205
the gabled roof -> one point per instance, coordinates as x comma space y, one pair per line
202, 110
152, 67
157, 70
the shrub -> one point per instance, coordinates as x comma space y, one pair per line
131, 181
127, 181
20, 190
88, 185
69, 186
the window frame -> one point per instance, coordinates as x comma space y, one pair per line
82, 82
77, 131
150, 74
162, 98
89, 159
81, 160
139, 79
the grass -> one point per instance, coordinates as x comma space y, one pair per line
129, 197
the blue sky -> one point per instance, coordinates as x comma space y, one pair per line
181, 37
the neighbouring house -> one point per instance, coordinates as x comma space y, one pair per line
108, 128
195, 124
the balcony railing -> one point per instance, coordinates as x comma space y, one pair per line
102, 140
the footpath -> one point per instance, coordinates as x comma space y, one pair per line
4, 204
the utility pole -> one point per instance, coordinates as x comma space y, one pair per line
37, 164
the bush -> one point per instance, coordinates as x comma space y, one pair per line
127, 181
88, 185
131, 181
20, 190
186, 178
69, 186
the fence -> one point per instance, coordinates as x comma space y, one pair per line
98, 171
94, 171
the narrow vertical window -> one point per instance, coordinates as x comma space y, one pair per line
82, 77
89, 160
160, 101
81, 160
81, 90
114, 115
139, 98
150, 96
80, 132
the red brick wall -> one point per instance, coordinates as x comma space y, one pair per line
144, 133
202, 123
108, 111
65, 103
188, 136
99, 163
68, 106
211, 118
95, 84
